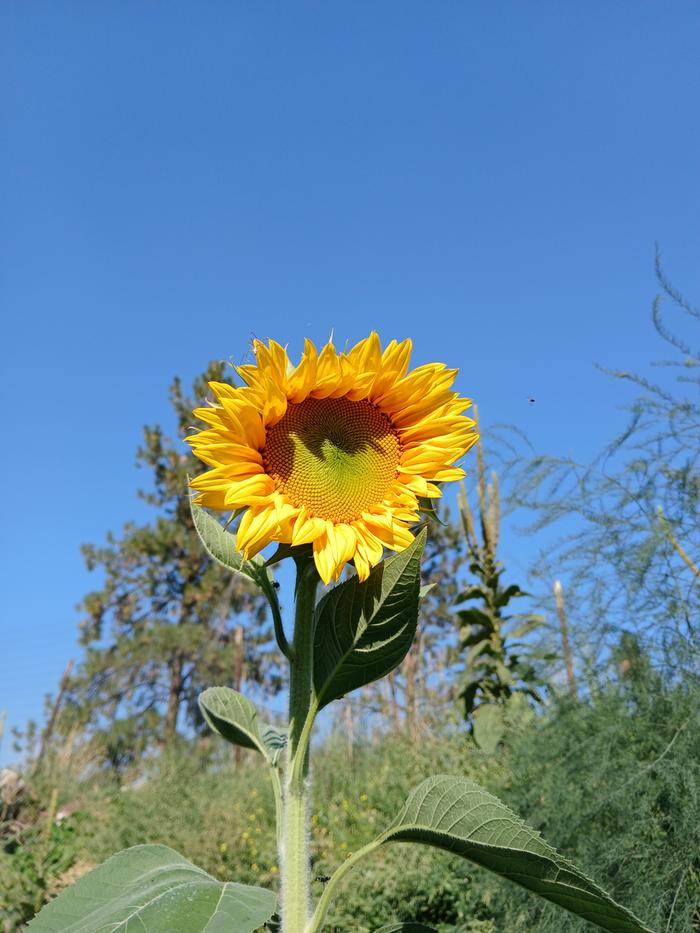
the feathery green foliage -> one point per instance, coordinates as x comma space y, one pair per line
629, 544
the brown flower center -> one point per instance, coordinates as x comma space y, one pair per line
335, 457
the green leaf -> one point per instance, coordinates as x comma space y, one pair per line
153, 889
472, 592
221, 546
476, 617
509, 593
235, 718
488, 726
532, 623
481, 647
364, 629
409, 927
459, 816
504, 675
472, 638
220, 543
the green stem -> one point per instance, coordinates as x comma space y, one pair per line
319, 916
279, 809
294, 854
301, 759
267, 585
281, 638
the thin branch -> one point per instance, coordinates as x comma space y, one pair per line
677, 546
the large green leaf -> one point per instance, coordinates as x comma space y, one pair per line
364, 629
235, 718
153, 889
457, 815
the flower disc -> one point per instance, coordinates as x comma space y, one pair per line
335, 457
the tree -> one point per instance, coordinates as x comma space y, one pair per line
161, 626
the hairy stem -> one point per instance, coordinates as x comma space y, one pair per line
294, 849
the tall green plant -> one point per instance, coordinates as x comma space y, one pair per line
499, 662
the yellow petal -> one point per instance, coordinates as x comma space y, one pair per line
323, 558
211, 499
449, 475
224, 390
391, 533
307, 528
303, 378
343, 541
366, 355
272, 360
275, 404
211, 415
369, 547
256, 530
249, 491
396, 357
361, 564
248, 421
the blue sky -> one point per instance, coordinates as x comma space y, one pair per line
487, 178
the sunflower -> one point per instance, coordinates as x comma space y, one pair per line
334, 452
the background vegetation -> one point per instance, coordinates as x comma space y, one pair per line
581, 712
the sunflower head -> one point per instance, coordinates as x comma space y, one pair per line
334, 452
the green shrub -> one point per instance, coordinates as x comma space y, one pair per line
35, 864
614, 783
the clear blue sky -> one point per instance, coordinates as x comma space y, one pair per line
487, 178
